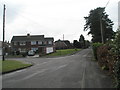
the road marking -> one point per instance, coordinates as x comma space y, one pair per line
27, 77
11, 73
38, 72
84, 55
61, 67
43, 63
83, 77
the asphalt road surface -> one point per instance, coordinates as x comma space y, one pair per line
74, 71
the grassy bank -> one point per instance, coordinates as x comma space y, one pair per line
11, 65
64, 52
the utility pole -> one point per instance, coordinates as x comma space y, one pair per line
63, 37
3, 47
101, 26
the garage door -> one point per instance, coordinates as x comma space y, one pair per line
49, 50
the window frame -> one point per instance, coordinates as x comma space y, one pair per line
33, 42
23, 43
40, 42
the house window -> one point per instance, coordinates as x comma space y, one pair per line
19, 49
22, 43
34, 49
33, 43
39, 42
49, 42
23, 50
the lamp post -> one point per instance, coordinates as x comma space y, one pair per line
3, 47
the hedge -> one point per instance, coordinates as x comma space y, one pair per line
95, 47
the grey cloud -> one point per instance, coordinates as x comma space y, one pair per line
12, 11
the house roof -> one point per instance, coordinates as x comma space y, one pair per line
30, 38
48, 38
66, 42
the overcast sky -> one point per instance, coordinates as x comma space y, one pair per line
52, 18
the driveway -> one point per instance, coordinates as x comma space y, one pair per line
75, 71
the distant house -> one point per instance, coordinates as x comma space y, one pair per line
63, 44
0, 48
37, 43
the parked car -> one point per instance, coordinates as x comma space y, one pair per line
31, 53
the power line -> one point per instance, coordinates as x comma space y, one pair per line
107, 3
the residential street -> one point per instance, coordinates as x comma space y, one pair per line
74, 71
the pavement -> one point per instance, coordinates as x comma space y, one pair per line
74, 71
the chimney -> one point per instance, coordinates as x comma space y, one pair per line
28, 35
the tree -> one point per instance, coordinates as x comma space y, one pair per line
94, 20
87, 43
76, 44
82, 41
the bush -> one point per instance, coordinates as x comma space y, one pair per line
95, 47
105, 58
17, 52
24, 54
108, 56
117, 74
116, 50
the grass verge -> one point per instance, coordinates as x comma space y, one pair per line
14, 56
64, 52
12, 65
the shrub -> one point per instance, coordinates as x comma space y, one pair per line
95, 47
105, 58
17, 52
117, 74
24, 54
116, 50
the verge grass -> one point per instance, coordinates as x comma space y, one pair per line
10, 65
64, 52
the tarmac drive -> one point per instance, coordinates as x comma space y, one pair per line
74, 71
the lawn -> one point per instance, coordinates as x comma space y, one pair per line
63, 52
10, 65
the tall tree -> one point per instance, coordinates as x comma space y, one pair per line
76, 44
94, 20
82, 41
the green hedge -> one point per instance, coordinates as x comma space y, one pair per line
95, 47
108, 56
117, 74
116, 51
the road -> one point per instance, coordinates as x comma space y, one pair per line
74, 71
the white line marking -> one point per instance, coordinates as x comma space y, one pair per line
11, 73
44, 63
41, 71
83, 77
61, 67
84, 55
